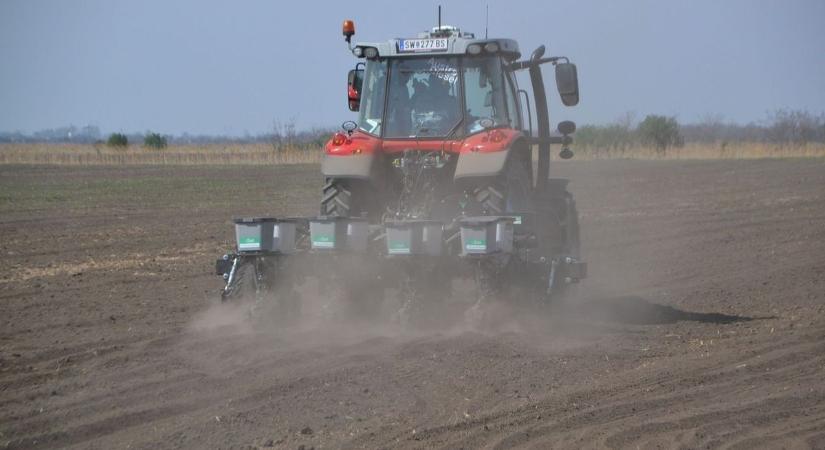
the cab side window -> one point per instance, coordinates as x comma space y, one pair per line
484, 93
513, 110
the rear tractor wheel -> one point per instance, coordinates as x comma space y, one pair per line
349, 198
336, 198
508, 192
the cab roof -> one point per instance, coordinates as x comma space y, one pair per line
432, 43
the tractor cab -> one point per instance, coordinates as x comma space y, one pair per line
443, 89
442, 84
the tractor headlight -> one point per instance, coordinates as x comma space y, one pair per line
358, 52
474, 49
370, 52
491, 47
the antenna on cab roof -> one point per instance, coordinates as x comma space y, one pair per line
487, 21
439, 17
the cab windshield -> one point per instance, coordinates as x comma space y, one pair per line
423, 97
434, 97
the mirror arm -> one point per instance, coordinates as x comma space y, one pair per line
563, 140
527, 63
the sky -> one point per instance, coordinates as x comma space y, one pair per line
230, 68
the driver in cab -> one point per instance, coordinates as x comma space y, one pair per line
434, 110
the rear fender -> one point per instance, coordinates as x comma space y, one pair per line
348, 166
479, 164
354, 158
480, 157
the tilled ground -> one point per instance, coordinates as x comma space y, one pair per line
702, 323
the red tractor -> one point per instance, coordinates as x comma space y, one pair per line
437, 179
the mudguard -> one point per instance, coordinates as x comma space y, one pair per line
480, 164
348, 166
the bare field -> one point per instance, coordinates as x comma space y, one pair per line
210, 154
702, 323
245, 154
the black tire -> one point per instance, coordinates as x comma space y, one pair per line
490, 198
509, 190
349, 198
336, 199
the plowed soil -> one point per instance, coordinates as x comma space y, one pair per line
702, 322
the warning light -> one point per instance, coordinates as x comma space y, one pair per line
349, 29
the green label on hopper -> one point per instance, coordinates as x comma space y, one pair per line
400, 247
323, 240
248, 242
476, 244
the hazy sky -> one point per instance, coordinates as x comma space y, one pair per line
231, 67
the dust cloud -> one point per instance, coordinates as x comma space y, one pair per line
334, 319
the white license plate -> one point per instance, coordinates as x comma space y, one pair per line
422, 45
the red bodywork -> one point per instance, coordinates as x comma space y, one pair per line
360, 143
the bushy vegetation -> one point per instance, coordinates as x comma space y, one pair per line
660, 132
117, 140
784, 133
782, 129
285, 136
154, 140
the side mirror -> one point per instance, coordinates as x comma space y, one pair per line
355, 79
537, 53
566, 127
567, 82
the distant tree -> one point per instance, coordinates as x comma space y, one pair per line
154, 140
796, 127
661, 132
117, 140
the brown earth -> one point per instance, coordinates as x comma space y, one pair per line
702, 323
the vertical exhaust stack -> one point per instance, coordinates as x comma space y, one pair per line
542, 118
